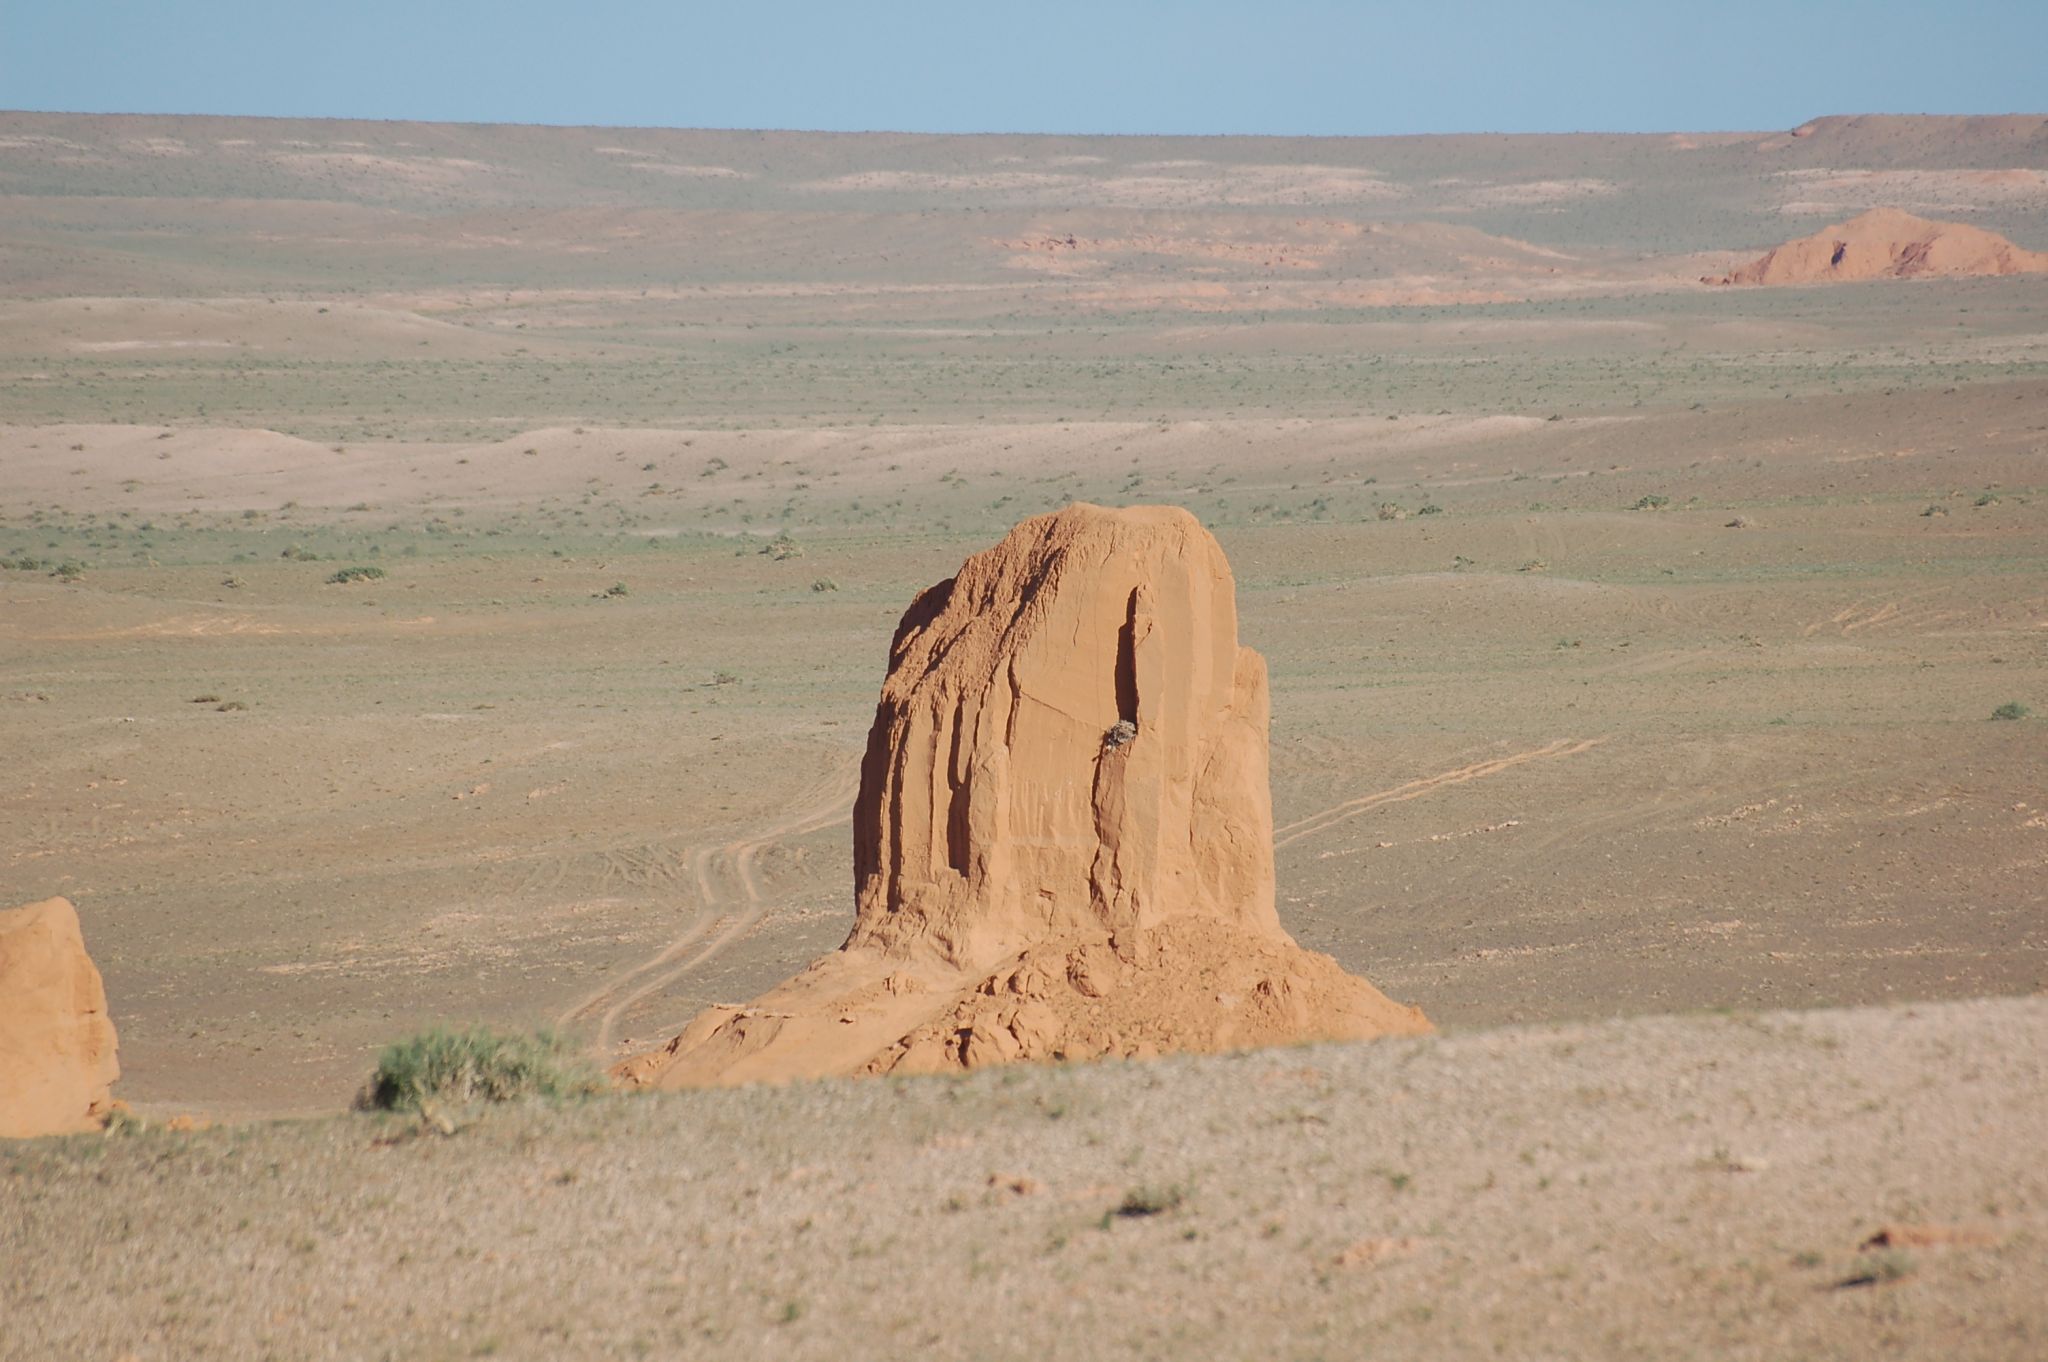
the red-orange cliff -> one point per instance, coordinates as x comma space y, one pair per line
1063, 843
1886, 243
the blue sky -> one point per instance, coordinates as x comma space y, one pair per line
1198, 66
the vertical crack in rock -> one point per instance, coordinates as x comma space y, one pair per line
1063, 843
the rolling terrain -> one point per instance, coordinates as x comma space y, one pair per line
1634, 645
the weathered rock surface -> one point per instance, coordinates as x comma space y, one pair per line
1063, 844
57, 1046
1886, 243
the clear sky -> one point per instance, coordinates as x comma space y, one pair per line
1115, 66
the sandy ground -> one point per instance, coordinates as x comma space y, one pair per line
1634, 650
1536, 755
1699, 1187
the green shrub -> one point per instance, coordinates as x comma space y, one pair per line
2011, 709
617, 589
477, 1065
1653, 502
344, 576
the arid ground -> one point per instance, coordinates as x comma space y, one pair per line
1635, 645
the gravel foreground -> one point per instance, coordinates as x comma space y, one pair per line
1659, 1187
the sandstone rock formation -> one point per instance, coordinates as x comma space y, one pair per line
1885, 243
1063, 844
57, 1045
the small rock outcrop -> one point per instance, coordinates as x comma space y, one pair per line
1063, 842
1886, 243
57, 1045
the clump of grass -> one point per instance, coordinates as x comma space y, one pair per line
824, 584
231, 706
1988, 499
617, 589
1140, 1202
343, 576
299, 554
1430, 508
477, 1065
1652, 502
1880, 1269
2011, 709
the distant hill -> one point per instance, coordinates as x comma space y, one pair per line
1886, 243
200, 206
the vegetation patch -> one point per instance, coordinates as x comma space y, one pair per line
1140, 1202
477, 1065
344, 576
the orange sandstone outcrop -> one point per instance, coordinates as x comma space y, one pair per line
1063, 843
1885, 243
57, 1059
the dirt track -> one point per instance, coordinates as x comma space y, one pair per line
722, 925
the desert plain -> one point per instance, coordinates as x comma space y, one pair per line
1634, 643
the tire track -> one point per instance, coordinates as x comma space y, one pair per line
1415, 789
723, 918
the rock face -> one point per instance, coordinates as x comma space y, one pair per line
1063, 844
57, 1047
1885, 243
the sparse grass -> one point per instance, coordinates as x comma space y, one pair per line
1141, 1202
2011, 709
476, 1065
1652, 502
354, 574
1879, 1269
